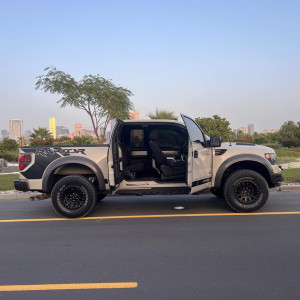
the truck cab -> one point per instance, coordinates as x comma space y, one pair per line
159, 156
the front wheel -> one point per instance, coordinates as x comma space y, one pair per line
74, 196
246, 191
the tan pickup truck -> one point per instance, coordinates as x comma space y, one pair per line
147, 157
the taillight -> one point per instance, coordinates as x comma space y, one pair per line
24, 161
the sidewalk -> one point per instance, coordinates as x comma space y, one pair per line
17, 195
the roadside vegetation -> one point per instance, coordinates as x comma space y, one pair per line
9, 150
163, 114
7, 181
291, 175
286, 155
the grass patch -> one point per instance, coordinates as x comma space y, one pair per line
291, 175
288, 153
285, 160
7, 182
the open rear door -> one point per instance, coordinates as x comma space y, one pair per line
115, 156
199, 158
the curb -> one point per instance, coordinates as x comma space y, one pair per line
15, 195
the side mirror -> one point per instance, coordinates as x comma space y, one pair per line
215, 141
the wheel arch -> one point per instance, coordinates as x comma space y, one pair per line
62, 165
252, 162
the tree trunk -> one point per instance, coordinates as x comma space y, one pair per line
95, 130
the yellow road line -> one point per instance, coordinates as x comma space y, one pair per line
69, 286
155, 216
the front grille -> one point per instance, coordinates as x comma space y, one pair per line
219, 152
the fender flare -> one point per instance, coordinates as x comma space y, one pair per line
240, 158
72, 160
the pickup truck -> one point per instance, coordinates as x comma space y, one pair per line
147, 157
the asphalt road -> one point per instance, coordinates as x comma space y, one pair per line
220, 256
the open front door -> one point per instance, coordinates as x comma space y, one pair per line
115, 156
199, 158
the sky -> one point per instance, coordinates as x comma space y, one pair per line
236, 59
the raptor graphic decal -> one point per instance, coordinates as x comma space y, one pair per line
60, 151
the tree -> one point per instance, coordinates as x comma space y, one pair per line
163, 114
8, 145
41, 136
289, 134
215, 126
100, 98
84, 140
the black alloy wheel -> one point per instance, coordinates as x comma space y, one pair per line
74, 196
246, 191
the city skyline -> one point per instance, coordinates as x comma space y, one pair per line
80, 130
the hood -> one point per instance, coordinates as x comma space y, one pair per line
246, 147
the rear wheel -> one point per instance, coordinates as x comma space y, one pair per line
246, 191
74, 196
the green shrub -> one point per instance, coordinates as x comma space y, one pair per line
8, 145
11, 156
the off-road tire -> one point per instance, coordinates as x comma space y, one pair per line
74, 196
246, 191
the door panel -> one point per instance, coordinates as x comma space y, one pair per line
114, 156
199, 158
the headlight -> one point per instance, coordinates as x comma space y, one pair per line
271, 157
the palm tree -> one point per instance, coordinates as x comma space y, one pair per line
40, 134
84, 140
163, 114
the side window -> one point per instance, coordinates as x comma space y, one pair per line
170, 139
137, 138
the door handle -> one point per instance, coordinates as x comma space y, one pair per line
195, 154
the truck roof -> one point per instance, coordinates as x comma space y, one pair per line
153, 121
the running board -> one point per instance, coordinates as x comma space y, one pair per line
155, 191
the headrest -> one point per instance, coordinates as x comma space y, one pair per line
153, 134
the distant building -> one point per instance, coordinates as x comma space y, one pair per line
251, 129
266, 131
244, 130
78, 130
52, 127
108, 135
62, 131
101, 131
27, 134
15, 129
3, 134
89, 132
134, 115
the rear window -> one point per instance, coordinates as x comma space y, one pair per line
137, 138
